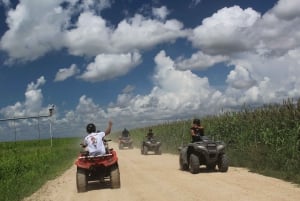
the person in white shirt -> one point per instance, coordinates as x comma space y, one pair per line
93, 142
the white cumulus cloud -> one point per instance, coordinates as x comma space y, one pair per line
160, 13
65, 73
33, 32
226, 31
108, 66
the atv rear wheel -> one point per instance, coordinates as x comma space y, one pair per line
81, 180
194, 165
223, 163
115, 177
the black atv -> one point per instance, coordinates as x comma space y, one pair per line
152, 145
204, 152
125, 142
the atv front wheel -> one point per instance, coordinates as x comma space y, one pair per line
158, 151
182, 166
115, 177
145, 150
194, 164
223, 163
81, 180
142, 149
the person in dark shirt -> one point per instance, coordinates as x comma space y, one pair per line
197, 131
125, 133
150, 134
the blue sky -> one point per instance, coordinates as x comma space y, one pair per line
143, 62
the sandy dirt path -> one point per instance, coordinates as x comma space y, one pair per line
157, 177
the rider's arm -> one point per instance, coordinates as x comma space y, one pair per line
84, 144
201, 131
108, 129
192, 132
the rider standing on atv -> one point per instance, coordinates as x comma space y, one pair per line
93, 142
197, 131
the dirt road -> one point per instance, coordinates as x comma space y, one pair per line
157, 177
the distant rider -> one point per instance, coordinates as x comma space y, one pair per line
93, 142
125, 133
197, 131
150, 134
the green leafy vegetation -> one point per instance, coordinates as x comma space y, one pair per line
26, 165
265, 140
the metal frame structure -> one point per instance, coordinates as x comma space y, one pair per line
51, 111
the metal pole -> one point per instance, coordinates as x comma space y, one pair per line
39, 129
51, 136
15, 131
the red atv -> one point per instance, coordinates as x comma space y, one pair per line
97, 168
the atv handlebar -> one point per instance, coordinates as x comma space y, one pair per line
83, 145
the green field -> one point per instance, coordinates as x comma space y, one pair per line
266, 140
26, 165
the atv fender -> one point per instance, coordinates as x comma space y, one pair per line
221, 148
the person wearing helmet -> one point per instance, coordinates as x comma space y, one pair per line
125, 133
93, 142
197, 131
150, 134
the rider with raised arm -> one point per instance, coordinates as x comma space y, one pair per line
93, 142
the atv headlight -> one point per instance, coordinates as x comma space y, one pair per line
221, 146
201, 147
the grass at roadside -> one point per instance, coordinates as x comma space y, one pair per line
26, 165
